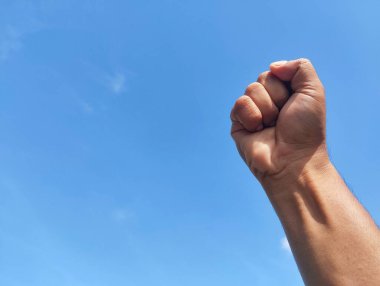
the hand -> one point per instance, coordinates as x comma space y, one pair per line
279, 122
279, 130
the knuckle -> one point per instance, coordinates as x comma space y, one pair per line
244, 105
263, 76
232, 115
253, 87
304, 61
241, 103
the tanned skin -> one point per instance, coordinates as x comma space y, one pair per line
279, 129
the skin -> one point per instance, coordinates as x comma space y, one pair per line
280, 132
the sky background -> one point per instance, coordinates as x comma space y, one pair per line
116, 163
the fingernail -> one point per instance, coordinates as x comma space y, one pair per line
279, 63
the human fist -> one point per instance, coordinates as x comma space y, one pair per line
279, 123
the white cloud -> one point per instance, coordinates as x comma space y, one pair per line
116, 83
87, 108
10, 41
285, 245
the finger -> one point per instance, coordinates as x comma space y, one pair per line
300, 73
245, 114
261, 98
276, 89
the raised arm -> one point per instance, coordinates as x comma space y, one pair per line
279, 130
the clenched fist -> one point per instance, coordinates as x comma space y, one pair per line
279, 129
279, 123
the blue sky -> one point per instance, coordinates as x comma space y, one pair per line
117, 167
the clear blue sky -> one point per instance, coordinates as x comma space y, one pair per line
116, 164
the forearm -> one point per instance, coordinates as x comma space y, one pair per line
280, 131
333, 238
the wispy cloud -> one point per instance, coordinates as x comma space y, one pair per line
285, 245
122, 215
87, 107
117, 83
10, 41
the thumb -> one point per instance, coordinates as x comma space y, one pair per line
300, 73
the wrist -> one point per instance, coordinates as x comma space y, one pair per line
299, 174
301, 194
